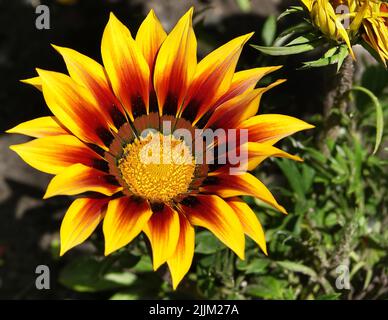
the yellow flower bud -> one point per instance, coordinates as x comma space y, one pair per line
329, 17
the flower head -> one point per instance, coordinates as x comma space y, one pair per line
376, 28
106, 141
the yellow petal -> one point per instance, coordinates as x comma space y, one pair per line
150, 37
175, 65
214, 214
162, 229
258, 152
124, 220
126, 66
308, 4
179, 263
54, 154
245, 80
272, 127
81, 219
249, 221
245, 184
35, 81
40, 127
77, 179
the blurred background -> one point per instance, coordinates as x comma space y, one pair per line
337, 199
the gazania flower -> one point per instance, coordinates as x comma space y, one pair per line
94, 146
376, 28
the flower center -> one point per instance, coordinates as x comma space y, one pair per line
157, 167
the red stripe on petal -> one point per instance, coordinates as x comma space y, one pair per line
124, 220
225, 185
79, 178
81, 219
126, 67
163, 232
179, 263
213, 213
54, 154
175, 65
74, 107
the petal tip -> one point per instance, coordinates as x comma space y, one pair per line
63, 250
14, 147
108, 251
282, 210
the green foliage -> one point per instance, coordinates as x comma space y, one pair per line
304, 37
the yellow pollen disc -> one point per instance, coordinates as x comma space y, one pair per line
157, 167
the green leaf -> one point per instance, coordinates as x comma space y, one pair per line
328, 59
330, 296
379, 115
303, 39
293, 176
207, 243
269, 30
331, 52
244, 5
297, 267
256, 266
343, 53
302, 27
87, 275
268, 288
291, 10
289, 33
125, 295
144, 265
284, 51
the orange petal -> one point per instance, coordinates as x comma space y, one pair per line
245, 184
272, 127
56, 153
73, 107
242, 107
243, 81
162, 229
77, 179
175, 65
150, 37
213, 213
249, 221
213, 78
40, 127
126, 66
124, 220
90, 74
81, 219
179, 263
